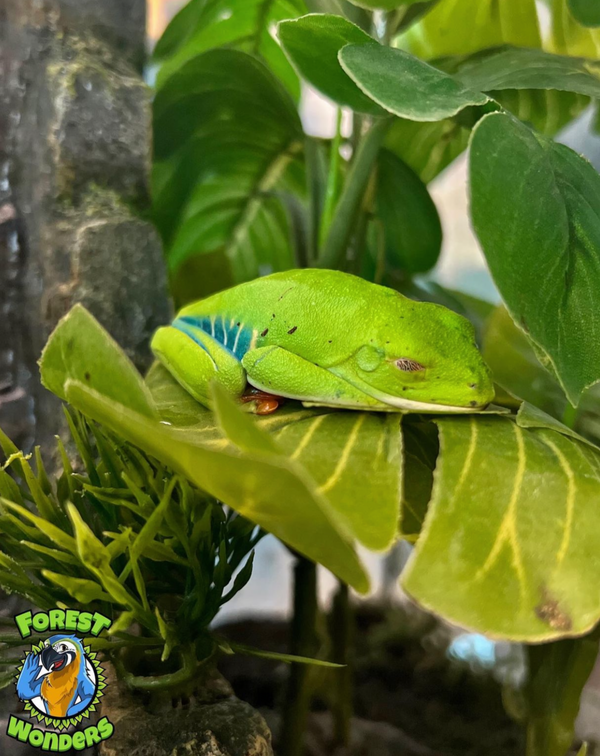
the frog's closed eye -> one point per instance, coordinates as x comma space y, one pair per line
408, 366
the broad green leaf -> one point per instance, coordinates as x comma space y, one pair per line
337, 449
459, 27
265, 490
569, 37
508, 352
518, 566
81, 349
586, 12
516, 368
405, 85
427, 148
313, 43
245, 25
557, 675
544, 252
411, 224
421, 449
333, 447
218, 163
519, 68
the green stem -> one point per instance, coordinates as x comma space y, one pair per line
333, 181
569, 417
302, 643
558, 673
346, 213
342, 632
315, 171
186, 674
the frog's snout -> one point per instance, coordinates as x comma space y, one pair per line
481, 388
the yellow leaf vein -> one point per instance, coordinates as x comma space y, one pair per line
571, 493
305, 440
345, 456
507, 532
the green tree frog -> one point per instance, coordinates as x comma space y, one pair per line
326, 338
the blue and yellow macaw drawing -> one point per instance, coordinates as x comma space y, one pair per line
58, 680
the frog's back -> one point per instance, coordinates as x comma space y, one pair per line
302, 310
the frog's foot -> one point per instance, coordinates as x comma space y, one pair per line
265, 404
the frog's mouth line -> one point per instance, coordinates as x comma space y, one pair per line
386, 403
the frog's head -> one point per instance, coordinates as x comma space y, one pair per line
421, 357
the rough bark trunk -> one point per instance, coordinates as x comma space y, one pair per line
74, 160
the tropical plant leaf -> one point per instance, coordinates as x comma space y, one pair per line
543, 253
521, 68
244, 25
526, 501
332, 447
569, 37
217, 166
313, 43
427, 148
489, 23
263, 489
421, 449
509, 353
405, 85
586, 12
411, 224
94, 359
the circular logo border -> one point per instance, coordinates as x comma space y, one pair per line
64, 723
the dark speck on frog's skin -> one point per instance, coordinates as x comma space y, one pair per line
292, 330
473, 404
330, 342
88, 377
265, 332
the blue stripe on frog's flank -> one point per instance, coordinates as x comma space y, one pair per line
231, 334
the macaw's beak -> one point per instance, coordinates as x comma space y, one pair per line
53, 660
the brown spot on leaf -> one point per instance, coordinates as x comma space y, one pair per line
551, 612
292, 330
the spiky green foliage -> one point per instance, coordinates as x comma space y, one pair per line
119, 533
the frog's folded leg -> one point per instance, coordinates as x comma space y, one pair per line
283, 373
194, 359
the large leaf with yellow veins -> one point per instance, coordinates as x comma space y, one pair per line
504, 511
509, 543
334, 448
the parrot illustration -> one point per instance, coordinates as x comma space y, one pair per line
57, 680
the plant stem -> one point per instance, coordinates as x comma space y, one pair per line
346, 213
302, 643
569, 417
342, 633
557, 675
333, 181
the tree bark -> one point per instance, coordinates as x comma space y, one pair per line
74, 163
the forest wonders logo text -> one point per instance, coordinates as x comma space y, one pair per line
60, 681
